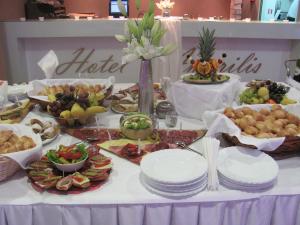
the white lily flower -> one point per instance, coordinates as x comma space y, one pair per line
129, 58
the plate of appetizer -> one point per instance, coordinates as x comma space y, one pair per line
126, 101
48, 128
70, 170
267, 92
136, 126
16, 112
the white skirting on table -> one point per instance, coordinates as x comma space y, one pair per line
266, 210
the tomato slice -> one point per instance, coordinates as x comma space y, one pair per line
78, 179
76, 155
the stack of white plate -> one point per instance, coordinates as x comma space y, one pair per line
246, 169
174, 173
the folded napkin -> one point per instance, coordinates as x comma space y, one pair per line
48, 64
209, 147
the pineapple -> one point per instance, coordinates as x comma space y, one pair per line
207, 43
206, 66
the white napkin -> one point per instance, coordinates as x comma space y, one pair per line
209, 147
48, 64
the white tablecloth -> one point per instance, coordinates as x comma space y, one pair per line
124, 201
192, 100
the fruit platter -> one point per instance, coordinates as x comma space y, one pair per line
70, 170
74, 103
205, 69
126, 101
266, 92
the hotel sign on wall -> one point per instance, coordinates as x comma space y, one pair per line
100, 59
83, 61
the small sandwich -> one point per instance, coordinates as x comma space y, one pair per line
40, 165
100, 162
65, 183
39, 175
80, 181
96, 175
49, 182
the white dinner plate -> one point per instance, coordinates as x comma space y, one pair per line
258, 188
173, 166
180, 185
222, 177
177, 189
247, 166
172, 194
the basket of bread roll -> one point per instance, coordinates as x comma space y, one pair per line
18, 146
267, 123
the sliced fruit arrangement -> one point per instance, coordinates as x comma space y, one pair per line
76, 106
266, 92
206, 66
44, 175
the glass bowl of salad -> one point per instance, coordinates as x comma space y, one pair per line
69, 158
136, 126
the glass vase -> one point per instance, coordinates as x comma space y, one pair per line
146, 103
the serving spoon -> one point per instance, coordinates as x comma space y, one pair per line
184, 146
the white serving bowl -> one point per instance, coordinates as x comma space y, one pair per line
72, 167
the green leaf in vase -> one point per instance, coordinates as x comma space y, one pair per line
168, 49
133, 28
151, 7
122, 8
151, 21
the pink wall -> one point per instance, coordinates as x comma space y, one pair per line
195, 8
14, 9
11, 9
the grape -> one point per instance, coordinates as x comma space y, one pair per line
72, 88
263, 91
248, 95
59, 95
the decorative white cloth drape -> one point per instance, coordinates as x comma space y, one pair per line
171, 65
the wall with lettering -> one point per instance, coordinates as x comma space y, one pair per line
101, 57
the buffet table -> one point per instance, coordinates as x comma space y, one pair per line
124, 200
